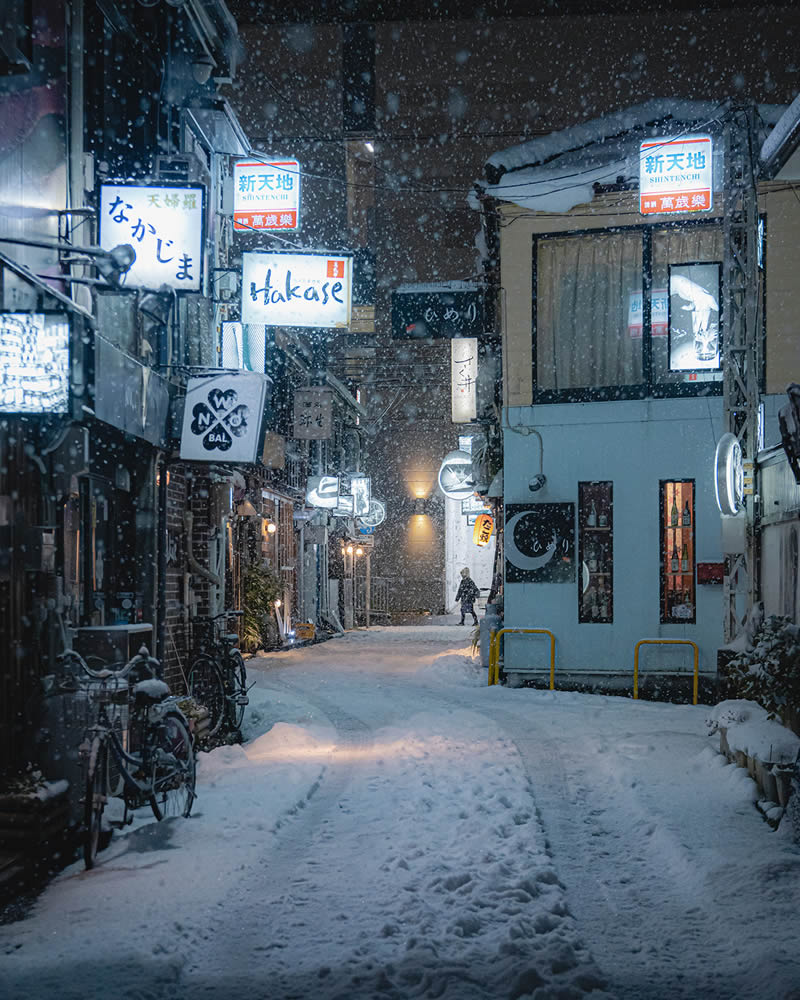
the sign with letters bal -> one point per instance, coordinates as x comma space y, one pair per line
222, 418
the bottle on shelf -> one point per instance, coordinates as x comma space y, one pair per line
595, 606
604, 603
591, 520
675, 562
591, 559
686, 517
685, 558
602, 518
673, 515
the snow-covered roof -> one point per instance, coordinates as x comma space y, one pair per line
555, 172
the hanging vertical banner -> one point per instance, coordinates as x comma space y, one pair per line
362, 494
463, 379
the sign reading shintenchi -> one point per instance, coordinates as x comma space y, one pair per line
675, 175
266, 195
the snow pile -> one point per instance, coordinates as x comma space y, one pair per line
749, 729
459, 668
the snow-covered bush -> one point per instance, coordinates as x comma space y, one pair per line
769, 673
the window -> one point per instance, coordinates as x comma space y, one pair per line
677, 551
595, 552
597, 334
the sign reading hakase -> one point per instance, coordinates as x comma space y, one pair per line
296, 289
164, 225
266, 195
675, 175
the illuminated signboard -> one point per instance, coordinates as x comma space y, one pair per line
243, 347
694, 307
164, 225
463, 379
362, 494
455, 476
729, 475
322, 491
675, 175
266, 195
222, 417
296, 289
34, 363
482, 532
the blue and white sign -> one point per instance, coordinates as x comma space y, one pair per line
164, 225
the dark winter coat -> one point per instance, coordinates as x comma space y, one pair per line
467, 592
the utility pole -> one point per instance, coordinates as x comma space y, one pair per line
742, 345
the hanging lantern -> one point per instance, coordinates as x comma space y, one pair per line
482, 532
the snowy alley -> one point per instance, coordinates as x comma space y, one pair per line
393, 828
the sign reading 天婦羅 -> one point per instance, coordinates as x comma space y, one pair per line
675, 175
296, 289
266, 195
164, 225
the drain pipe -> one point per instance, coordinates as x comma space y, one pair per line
194, 565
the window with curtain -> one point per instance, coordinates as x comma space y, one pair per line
584, 285
591, 336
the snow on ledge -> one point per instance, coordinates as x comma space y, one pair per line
750, 730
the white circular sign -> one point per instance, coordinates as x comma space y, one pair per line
455, 475
729, 475
376, 516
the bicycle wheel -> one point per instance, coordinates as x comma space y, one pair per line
95, 800
207, 688
173, 792
236, 688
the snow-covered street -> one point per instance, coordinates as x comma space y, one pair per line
393, 828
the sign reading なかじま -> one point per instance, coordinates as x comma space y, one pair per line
296, 289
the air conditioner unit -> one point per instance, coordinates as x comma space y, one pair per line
184, 168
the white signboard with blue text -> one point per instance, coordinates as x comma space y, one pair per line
296, 289
164, 225
223, 416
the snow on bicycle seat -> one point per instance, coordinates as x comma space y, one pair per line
151, 690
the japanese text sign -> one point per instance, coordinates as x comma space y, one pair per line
164, 225
266, 195
222, 418
464, 378
296, 289
419, 314
675, 175
482, 531
313, 414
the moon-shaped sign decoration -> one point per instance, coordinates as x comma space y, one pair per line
539, 543
455, 475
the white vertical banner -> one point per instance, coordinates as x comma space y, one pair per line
463, 379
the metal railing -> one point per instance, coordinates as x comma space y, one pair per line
665, 642
494, 652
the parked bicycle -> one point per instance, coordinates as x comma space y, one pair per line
217, 676
138, 746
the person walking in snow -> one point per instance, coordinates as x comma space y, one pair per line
467, 593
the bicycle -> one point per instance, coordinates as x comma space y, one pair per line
151, 760
217, 676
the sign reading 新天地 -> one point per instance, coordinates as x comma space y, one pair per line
266, 195
675, 175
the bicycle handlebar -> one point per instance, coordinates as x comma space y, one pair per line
142, 657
